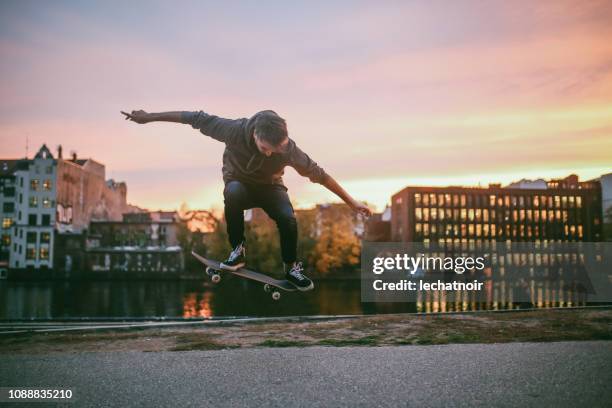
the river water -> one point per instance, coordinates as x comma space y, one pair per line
196, 299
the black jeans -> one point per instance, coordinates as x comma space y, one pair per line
274, 200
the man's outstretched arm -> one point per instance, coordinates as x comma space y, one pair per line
141, 116
224, 130
332, 185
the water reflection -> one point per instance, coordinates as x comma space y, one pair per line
232, 297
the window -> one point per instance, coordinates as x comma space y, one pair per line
47, 185
49, 169
44, 253
6, 240
31, 237
8, 207
45, 237
9, 191
30, 253
432, 199
46, 219
34, 184
7, 222
32, 219
33, 202
46, 202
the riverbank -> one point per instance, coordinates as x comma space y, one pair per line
379, 330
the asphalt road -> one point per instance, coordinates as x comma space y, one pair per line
571, 374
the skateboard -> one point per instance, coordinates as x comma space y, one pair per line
213, 269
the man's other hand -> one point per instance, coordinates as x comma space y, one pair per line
138, 116
361, 208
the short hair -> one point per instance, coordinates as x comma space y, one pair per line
271, 128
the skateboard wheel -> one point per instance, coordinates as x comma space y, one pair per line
267, 287
275, 295
209, 270
216, 278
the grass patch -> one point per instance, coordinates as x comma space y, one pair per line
282, 343
463, 338
539, 326
601, 334
425, 339
202, 345
361, 341
198, 341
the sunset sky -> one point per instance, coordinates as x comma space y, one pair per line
381, 94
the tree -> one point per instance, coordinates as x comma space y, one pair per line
337, 245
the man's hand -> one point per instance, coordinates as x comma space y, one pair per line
138, 116
361, 208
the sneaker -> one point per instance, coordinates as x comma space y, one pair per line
298, 279
235, 260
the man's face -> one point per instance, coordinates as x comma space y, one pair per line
267, 149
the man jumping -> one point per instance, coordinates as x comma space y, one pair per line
256, 153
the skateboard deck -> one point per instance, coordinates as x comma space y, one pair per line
214, 268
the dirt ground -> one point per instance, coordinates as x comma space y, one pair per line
540, 326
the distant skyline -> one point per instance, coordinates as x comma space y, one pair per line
381, 94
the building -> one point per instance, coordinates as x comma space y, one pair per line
444, 219
378, 227
565, 211
141, 242
8, 209
44, 198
